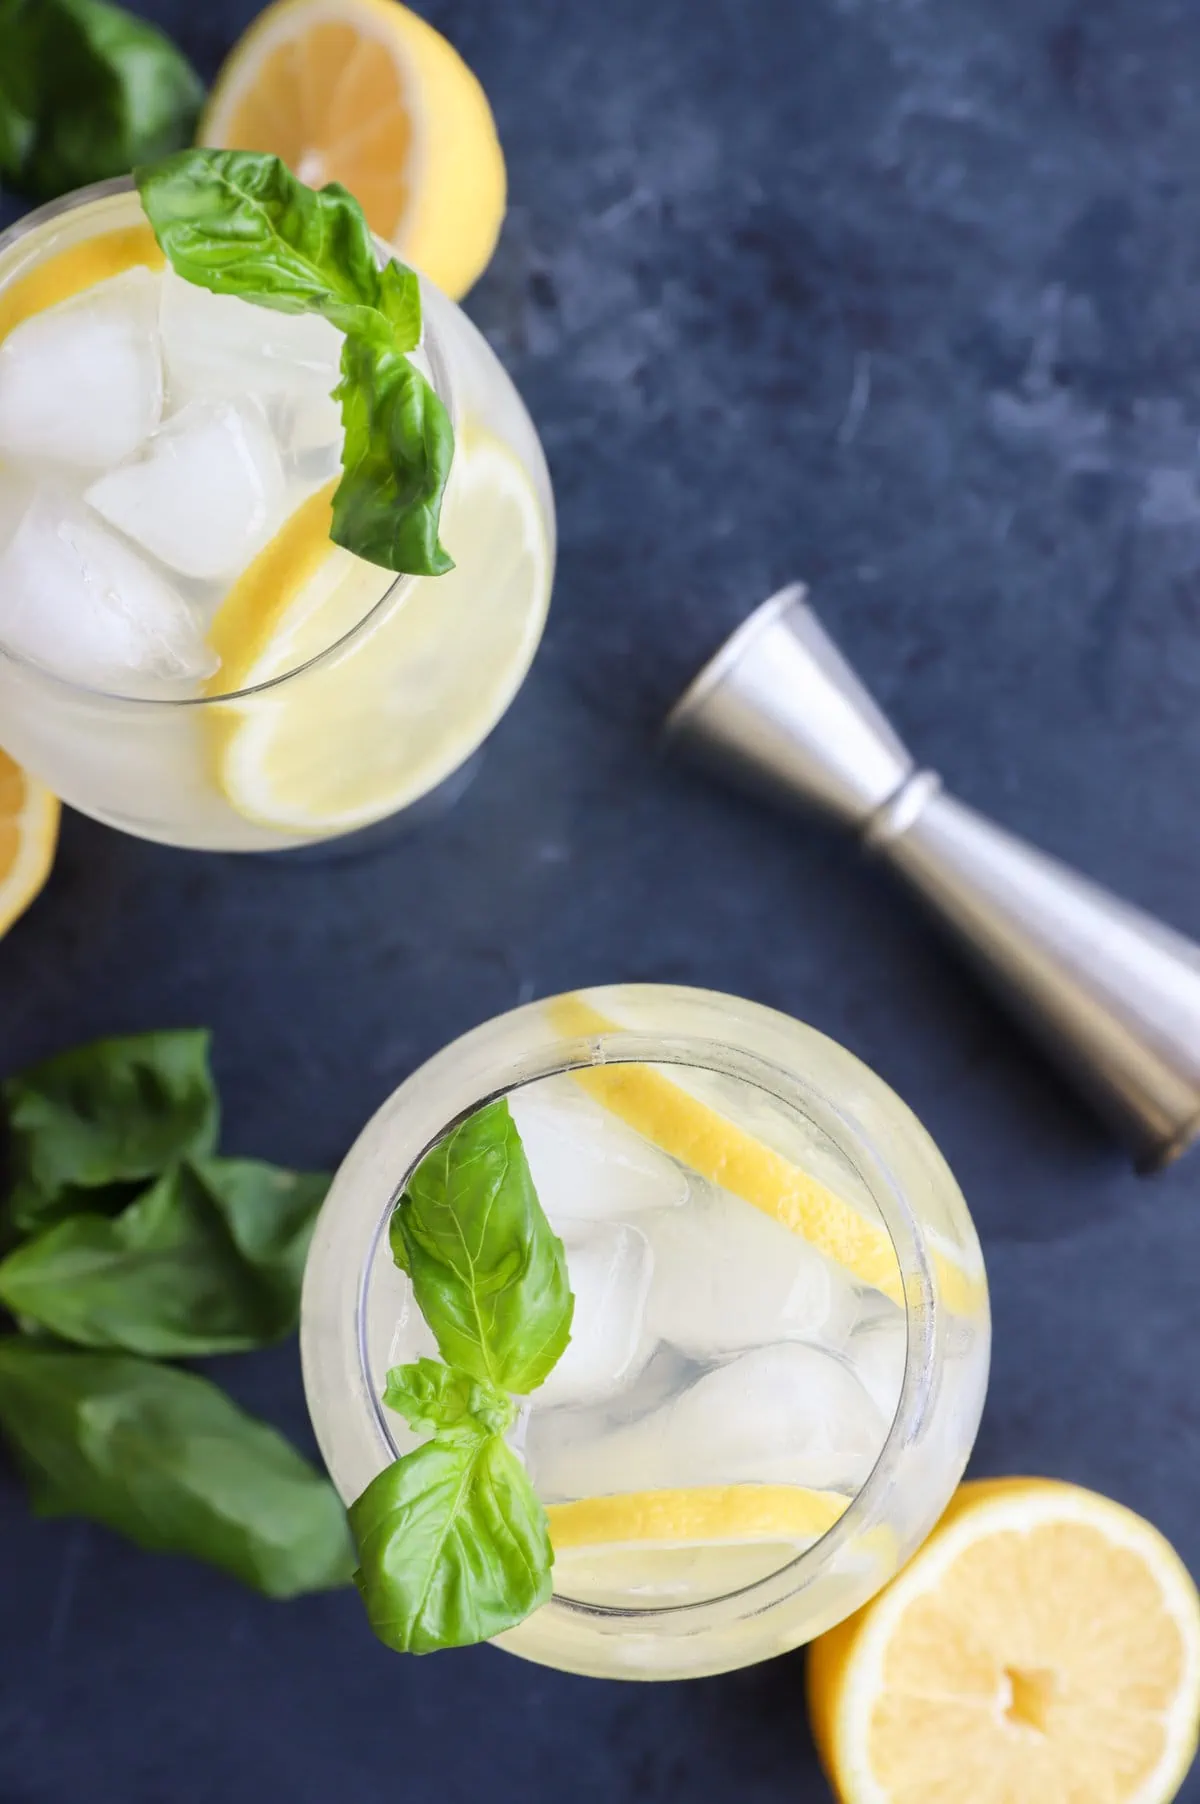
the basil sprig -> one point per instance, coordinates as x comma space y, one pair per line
207, 1260
239, 223
88, 1127
452, 1541
129, 1236
168, 1460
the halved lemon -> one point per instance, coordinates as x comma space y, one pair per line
365, 93
427, 669
658, 1548
707, 1142
1043, 1647
28, 836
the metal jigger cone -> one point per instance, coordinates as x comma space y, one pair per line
1113, 995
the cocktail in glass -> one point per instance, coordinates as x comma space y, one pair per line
184, 653
780, 1342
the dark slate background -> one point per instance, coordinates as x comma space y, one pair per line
980, 219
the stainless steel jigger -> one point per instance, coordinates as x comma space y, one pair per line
1112, 994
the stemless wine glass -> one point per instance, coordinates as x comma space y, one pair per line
305, 693
786, 1335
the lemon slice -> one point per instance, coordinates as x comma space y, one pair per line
1043, 1647
69, 272
428, 668
28, 836
657, 1548
715, 1147
365, 93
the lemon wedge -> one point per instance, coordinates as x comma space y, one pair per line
1042, 1646
657, 1548
70, 271
28, 836
707, 1142
391, 683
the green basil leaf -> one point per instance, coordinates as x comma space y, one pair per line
106, 1115
16, 134
208, 1260
269, 1214
488, 1272
170, 1461
240, 223
453, 1545
396, 458
431, 1396
400, 303
18, 91
87, 90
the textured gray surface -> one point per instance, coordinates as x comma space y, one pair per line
897, 295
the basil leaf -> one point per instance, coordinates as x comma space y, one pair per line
87, 90
102, 1116
399, 445
431, 1396
400, 303
269, 1214
208, 1260
18, 98
453, 1545
16, 134
240, 223
488, 1272
168, 1460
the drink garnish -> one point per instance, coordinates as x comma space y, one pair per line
240, 223
452, 1540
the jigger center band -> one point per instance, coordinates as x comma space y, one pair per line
898, 813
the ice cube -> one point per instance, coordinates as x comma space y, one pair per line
16, 492
218, 346
787, 1414
81, 383
790, 1413
204, 494
76, 599
586, 1164
609, 1266
727, 1277
878, 1350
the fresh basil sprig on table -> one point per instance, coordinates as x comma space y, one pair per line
86, 91
168, 1460
207, 1260
453, 1543
240, 223
87, 1128
133, 1237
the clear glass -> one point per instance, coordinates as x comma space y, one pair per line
811, 1103
415, 681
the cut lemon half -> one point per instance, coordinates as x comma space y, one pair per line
365, 93
28, 836
707, 1142
420, 670
658, 1548
1043, 1647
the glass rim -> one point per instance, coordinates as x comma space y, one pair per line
443, 387
908, 1241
